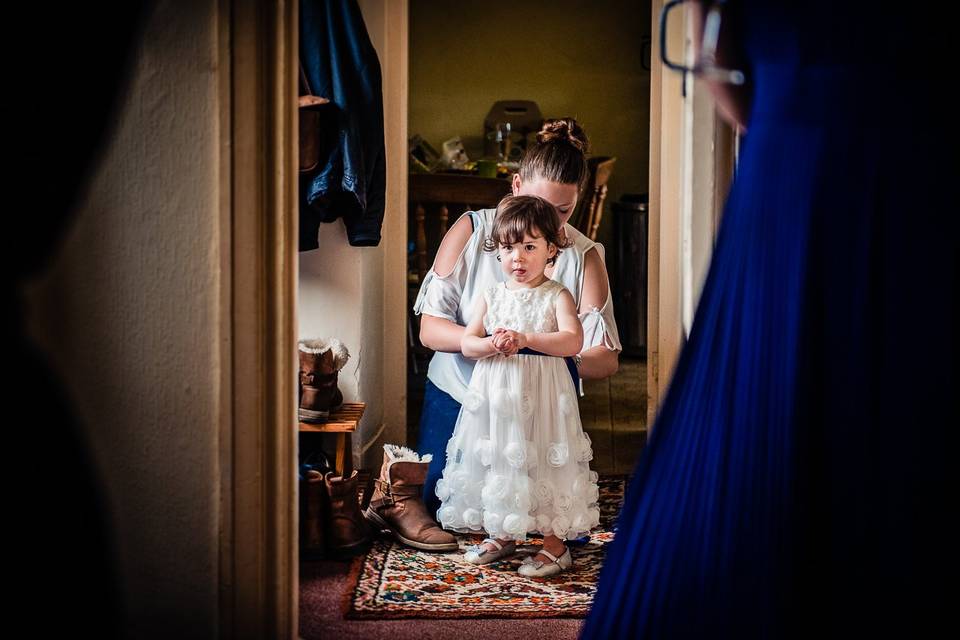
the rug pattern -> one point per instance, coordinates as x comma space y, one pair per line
395, 581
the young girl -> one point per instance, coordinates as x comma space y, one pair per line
518, 459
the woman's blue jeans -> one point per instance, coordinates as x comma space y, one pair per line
437, 420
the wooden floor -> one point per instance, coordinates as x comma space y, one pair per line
613, 412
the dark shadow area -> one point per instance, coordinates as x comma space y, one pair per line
69, 73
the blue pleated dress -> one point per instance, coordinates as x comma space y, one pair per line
798, 481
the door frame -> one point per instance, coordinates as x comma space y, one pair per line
258, 68
692, 157
258, 54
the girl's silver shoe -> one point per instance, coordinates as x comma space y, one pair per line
476, 554
532, 568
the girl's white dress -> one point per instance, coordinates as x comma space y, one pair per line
518, 460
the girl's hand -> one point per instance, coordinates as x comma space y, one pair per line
499, 339
514, 340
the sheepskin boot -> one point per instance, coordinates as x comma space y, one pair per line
397, 504
320, 361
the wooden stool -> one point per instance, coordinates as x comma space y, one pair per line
343, 422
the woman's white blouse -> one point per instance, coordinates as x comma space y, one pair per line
453, 297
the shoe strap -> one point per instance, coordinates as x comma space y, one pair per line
312, 379
392, 495
550, 555
494, 543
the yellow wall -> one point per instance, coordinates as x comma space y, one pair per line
571, 58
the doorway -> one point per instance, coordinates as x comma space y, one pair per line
589, 62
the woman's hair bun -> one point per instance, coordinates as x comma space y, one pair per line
564, 130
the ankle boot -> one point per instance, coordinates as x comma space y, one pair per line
397, 504
311, 515
347, 531
320, 363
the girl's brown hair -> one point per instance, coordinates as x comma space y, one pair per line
525, 215
558, 155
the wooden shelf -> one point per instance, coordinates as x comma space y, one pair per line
342, 422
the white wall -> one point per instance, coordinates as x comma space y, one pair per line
340, 295
358, 294
128, 313
700, 191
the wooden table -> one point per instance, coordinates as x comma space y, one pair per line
343, 422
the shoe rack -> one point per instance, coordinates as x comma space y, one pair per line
342, 422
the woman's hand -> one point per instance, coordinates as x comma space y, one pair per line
733, 101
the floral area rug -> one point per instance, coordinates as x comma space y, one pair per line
395, 581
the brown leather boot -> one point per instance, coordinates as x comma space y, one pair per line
311, 516
347, 531
320, 362
396, 504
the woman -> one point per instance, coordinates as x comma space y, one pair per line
554, 168
796, 480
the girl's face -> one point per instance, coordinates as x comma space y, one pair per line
563, 197
525, 262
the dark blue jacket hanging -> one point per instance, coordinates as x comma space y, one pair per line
350, 181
